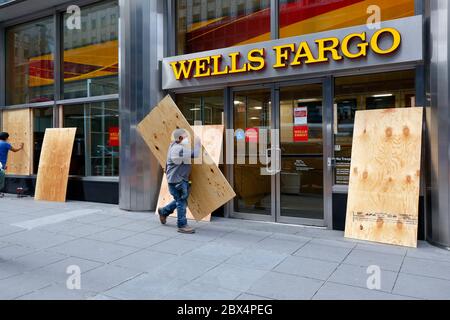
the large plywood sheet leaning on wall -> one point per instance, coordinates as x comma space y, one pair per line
210, 189
18, 123
383, 199
54, 165
212, 139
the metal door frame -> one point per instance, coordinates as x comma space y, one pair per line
327, 125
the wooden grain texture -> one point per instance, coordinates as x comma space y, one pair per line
211, 137
54, 164
383, 199
18, 123
210, 189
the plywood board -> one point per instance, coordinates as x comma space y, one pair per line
210, 189
211, 138
54, 164
18, 123
383, 199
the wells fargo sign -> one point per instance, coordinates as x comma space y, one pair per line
289, 55
396, 41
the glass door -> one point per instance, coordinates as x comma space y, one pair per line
300, 183
281, 149
252, 121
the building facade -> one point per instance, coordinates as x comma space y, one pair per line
301, 68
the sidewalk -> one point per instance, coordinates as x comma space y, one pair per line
123, 255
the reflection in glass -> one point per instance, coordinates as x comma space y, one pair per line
42, 119
299, 17
96, 148
365, 92
206, 107
91, 54
30, 49
207, 25
252, 114
301, 178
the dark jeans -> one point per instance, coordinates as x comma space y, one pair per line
2, 179
180, 194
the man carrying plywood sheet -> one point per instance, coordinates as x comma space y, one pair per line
210, 189
178, 170
211, 137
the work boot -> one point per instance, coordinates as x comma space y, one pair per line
162, 217
186, 229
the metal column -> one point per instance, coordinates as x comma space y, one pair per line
438, 120
141, 41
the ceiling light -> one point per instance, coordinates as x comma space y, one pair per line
382, 95
308, 100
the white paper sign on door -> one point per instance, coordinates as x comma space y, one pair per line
301, 116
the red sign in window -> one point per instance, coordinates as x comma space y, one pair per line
113, 137
301, 134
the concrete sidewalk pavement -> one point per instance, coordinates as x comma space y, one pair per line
124, 255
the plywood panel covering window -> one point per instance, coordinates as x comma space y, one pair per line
19, 126
365, 92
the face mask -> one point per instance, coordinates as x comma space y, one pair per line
185, 141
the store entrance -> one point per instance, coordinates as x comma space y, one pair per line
281, 176
301, 180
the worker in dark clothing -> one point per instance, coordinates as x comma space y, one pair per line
178, 170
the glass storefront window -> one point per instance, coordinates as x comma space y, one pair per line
90, 68
30, 49
365, 92
299, 17
96, 148
206, 107
207, 25
42, 119
91, 56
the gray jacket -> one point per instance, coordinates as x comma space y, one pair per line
179, 161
